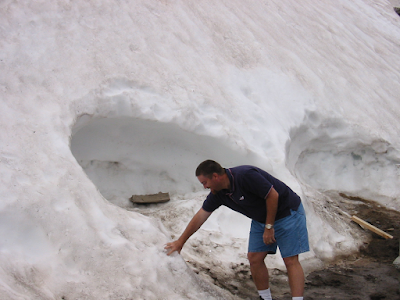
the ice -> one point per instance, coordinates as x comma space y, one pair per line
102, 100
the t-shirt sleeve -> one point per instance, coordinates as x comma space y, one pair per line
211, 203
256, 183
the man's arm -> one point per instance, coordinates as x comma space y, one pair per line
272, 208
198, 219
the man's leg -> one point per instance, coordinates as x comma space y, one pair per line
295, 274
259, 270
256, 254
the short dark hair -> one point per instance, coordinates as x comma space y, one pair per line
209, 167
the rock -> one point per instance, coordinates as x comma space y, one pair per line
397, 262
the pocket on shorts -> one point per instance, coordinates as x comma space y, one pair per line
300, 210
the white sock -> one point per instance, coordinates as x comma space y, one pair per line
265, 294
297, 298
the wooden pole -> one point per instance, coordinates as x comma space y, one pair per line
371, 227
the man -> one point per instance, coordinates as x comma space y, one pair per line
278, 219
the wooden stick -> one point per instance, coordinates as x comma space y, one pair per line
153, 198
371, 227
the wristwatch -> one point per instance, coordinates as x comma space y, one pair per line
269, 226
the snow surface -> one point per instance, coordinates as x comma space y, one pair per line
105, 99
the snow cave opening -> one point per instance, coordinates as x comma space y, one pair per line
125, 156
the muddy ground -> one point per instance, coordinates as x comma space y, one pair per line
368, 275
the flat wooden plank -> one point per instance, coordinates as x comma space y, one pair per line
152, 198
371, 227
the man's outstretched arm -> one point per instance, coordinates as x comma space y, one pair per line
198, 219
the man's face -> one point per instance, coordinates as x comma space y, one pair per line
212, 183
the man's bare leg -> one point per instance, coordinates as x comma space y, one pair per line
295, 274
259, 270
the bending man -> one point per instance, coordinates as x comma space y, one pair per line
278, 219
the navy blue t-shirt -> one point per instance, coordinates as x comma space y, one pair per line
249, 188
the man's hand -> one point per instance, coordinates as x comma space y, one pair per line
269, 236
199, 218
173, 246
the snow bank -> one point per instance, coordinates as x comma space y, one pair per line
103, 100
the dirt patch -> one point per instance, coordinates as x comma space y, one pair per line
362, 279
384, 219
369, 275
238, 282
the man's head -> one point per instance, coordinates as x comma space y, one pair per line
208, 167
212, 176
